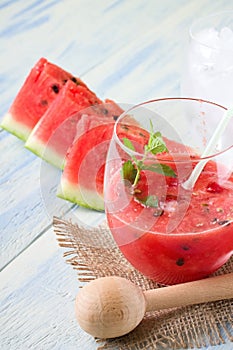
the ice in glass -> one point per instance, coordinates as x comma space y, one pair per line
208, 71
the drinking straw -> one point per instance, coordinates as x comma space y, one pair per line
190, 182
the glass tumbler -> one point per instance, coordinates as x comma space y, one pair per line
208, 66
169, 232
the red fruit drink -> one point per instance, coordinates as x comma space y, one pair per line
182, 236
200, 242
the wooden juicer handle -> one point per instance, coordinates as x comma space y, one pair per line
110, 307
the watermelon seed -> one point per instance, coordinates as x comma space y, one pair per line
185, 247
205, 207
55, 88
136, 190
44, 102
105, 111
180, 262
124, 127
224, 222
75, 80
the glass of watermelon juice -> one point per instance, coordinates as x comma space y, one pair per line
169, 232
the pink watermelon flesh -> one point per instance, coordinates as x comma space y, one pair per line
57, 129
40, 89
93, 116
83, 175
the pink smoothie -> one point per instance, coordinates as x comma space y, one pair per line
187, 237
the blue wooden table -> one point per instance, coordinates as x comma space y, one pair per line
125, 50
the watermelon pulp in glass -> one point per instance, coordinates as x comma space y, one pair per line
51, 136
83, 175
181, 236
40, 89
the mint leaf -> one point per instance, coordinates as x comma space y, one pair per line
132, 168
156, 143
128, 171
150, 201
128, 144
160, 169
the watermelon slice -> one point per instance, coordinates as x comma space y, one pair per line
72, 99
40, 89
83, 175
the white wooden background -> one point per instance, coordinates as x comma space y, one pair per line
127, 50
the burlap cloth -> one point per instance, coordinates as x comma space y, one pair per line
93, 253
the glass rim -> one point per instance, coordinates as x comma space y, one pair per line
193, 35
161, 159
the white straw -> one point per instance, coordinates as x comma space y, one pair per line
189, 184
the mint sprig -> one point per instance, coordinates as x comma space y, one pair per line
132, 168
156, 143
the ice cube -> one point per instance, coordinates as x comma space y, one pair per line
209, 37
224, 62
202, 47
213, 50
226, 38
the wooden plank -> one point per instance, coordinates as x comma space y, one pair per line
63, 32
37, 301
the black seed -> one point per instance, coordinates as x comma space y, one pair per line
115, 117
44, 102
105, 111
55, 88
64, 81
141, 134
185, 247
180, 262
125, 127
214, 220
74, 80
224, 222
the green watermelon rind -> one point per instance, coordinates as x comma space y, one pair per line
14, 127
77, 194
46, 153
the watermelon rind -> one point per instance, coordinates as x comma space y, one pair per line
18, 129
81, 196
41, 150
54, 150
